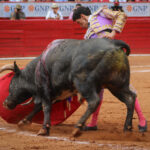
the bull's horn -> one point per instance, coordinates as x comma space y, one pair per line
7, 67
28, 102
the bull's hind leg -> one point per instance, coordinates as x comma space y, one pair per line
92, 97
128, 97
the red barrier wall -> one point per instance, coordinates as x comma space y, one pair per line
30, 37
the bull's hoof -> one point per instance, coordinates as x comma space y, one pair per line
76, 132
23, 123
129, 128
43, 132
72, 138
87, 128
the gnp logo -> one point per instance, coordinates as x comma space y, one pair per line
10, 8
6, 8
137, 8
31, 8
129, 8
41, 8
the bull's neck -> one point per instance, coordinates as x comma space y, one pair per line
29, 70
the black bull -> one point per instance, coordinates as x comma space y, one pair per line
71, 67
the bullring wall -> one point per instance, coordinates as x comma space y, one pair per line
30, 37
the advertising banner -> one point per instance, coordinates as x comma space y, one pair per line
41, 9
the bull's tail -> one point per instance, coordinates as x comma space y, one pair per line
122, 45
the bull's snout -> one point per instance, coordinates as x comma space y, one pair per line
9, 104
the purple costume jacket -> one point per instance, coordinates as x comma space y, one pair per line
104, 19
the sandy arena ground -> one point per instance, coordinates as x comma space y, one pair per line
110, 135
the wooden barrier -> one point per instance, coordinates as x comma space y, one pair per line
31, 37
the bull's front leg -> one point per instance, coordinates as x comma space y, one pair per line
46, 104
28, 119
93, 101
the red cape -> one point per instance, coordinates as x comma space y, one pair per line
60, 111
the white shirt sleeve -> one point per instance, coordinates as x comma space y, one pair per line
48, 14
61, 16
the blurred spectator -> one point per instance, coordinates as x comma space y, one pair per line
61, 0
71, 14
117, 7
77, 1
85, 0
54, 13
18, 14
130, 0
117, 0
15, 0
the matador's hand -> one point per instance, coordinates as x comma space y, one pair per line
110, 35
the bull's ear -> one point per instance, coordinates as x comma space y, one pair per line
16, 69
